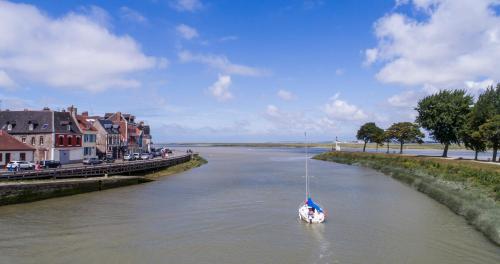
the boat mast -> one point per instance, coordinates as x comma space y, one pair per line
307, 172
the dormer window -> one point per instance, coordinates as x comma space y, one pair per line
31, 126
68, 127
9, 127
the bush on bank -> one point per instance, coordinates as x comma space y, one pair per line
468, 188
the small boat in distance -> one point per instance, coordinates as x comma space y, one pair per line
310, 212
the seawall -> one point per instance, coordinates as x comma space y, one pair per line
29, 191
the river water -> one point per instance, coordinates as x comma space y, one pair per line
242, 208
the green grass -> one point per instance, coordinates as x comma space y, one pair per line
195, 162
468, 188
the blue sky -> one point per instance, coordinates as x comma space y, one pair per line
246, 71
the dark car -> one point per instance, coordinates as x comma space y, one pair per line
50, 164
108, 160
92, 161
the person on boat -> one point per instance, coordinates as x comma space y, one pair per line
310, 214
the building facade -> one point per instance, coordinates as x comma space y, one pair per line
54, 135
108, 139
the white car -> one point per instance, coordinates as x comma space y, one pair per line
145, 156
21, 165
136, 156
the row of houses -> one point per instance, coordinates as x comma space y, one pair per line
68, 136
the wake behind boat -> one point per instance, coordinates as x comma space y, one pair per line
310, 212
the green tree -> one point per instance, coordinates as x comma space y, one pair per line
491, 131
405, 132
387, 139
444, 115
369, 132
486, 108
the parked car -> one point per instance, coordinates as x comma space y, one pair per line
92, 161
20, 165
50, 164
128, 157
137, 156
146, 156
108, 160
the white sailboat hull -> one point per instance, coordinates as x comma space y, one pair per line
315, 218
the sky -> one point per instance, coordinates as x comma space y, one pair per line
246, 71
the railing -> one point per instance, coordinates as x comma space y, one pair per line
124, 168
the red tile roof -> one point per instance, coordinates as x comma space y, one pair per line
8, 142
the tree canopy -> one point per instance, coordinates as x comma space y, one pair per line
491, 131
444, 115
369, 132
405, 132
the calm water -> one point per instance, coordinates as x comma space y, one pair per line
242, 208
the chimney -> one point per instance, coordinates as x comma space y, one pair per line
46, 109
73, 111
86, 113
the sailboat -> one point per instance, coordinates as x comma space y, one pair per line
310, 212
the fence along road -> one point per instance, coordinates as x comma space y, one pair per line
124, 168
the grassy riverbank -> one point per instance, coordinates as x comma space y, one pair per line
195, 162
468, 188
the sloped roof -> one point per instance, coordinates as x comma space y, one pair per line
84, 124
21, 120
61, 122
8, 142
109, 126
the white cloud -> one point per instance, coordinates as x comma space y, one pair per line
228, 38
451, 43
186, 31
220, 89
72, 51
285, 95
342, 110
187, 5
130, 14
285, 123
479, 86
406, 99
221, 63
6, 82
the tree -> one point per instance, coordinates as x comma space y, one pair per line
485, 109
491, 131
405, 132
369, 132
444, 115
387, 139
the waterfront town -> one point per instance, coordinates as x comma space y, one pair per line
68, 136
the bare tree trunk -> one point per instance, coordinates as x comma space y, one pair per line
401, 148
387, 147
445, 151
475, 155
364, 147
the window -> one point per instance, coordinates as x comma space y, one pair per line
23, 139
33, 141
9, 127
31, 127
68, 127
61, 140
70, 140
41, 141
1, 157
78, 141
22, 156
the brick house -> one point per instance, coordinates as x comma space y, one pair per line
129, 134
108, 139
89, 131
11, 149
